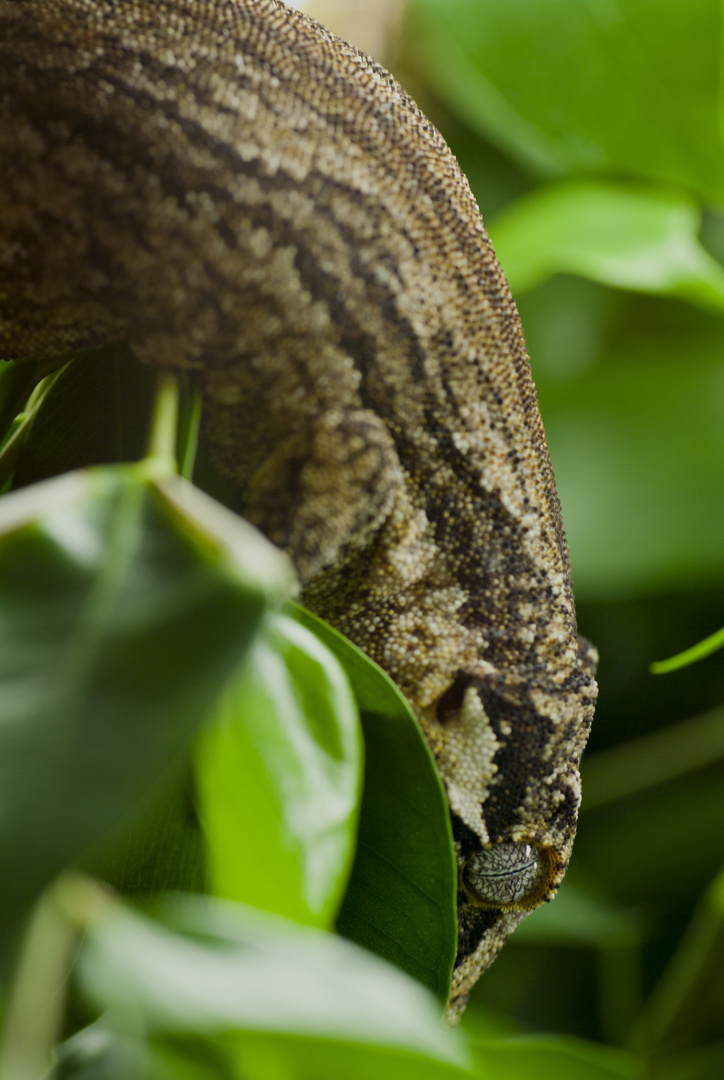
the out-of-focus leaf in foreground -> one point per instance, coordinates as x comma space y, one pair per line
279, 776
126, 603
219, 969
400, 902
553, 1058
634, 238
577, 85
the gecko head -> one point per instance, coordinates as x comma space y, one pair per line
509, 752
499, 884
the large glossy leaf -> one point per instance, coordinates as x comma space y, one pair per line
638, 238
400, 902
217, 967
279, 776
126, 602
579, 85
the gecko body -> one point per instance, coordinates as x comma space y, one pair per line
233, 190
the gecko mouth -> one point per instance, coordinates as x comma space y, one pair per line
509, 875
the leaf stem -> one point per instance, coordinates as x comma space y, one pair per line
17, 380
36, 1002
189, 435
37, 996
164, 425
10, 452
677, 1009
689, 656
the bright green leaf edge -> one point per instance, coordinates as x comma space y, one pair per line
643, 239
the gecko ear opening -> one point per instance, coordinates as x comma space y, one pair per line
508, 875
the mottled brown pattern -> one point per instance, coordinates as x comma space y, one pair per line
232, 189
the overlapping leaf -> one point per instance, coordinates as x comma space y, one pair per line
126, 603
400, 902
644, 239
278, 778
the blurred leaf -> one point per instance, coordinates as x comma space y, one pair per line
217, 967
632, 767
97, 411
639, 458
96, 1053
126, 604
576, 918
580, 85
704, 1063
279, 775
630, 237
686, 1007
553, 1058
697, 652
660, 847
293, 1058
400, 902
100, 1052
17, 381
249, 1056
161, 849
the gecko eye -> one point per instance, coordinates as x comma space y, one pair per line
507, 874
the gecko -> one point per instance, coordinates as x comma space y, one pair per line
234, 191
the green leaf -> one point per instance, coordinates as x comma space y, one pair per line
579, 85
660, 756
279, 776
687, 1004
163, 849
218, 967
17, 381
630, 237
630, 847
576, 918
636, 446
105, 1054
552, 1058
96, 412
126, 603
100, 1052
97, 1053
400, 902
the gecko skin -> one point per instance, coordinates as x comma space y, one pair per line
231, 189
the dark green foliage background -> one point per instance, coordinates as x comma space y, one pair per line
555, 108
